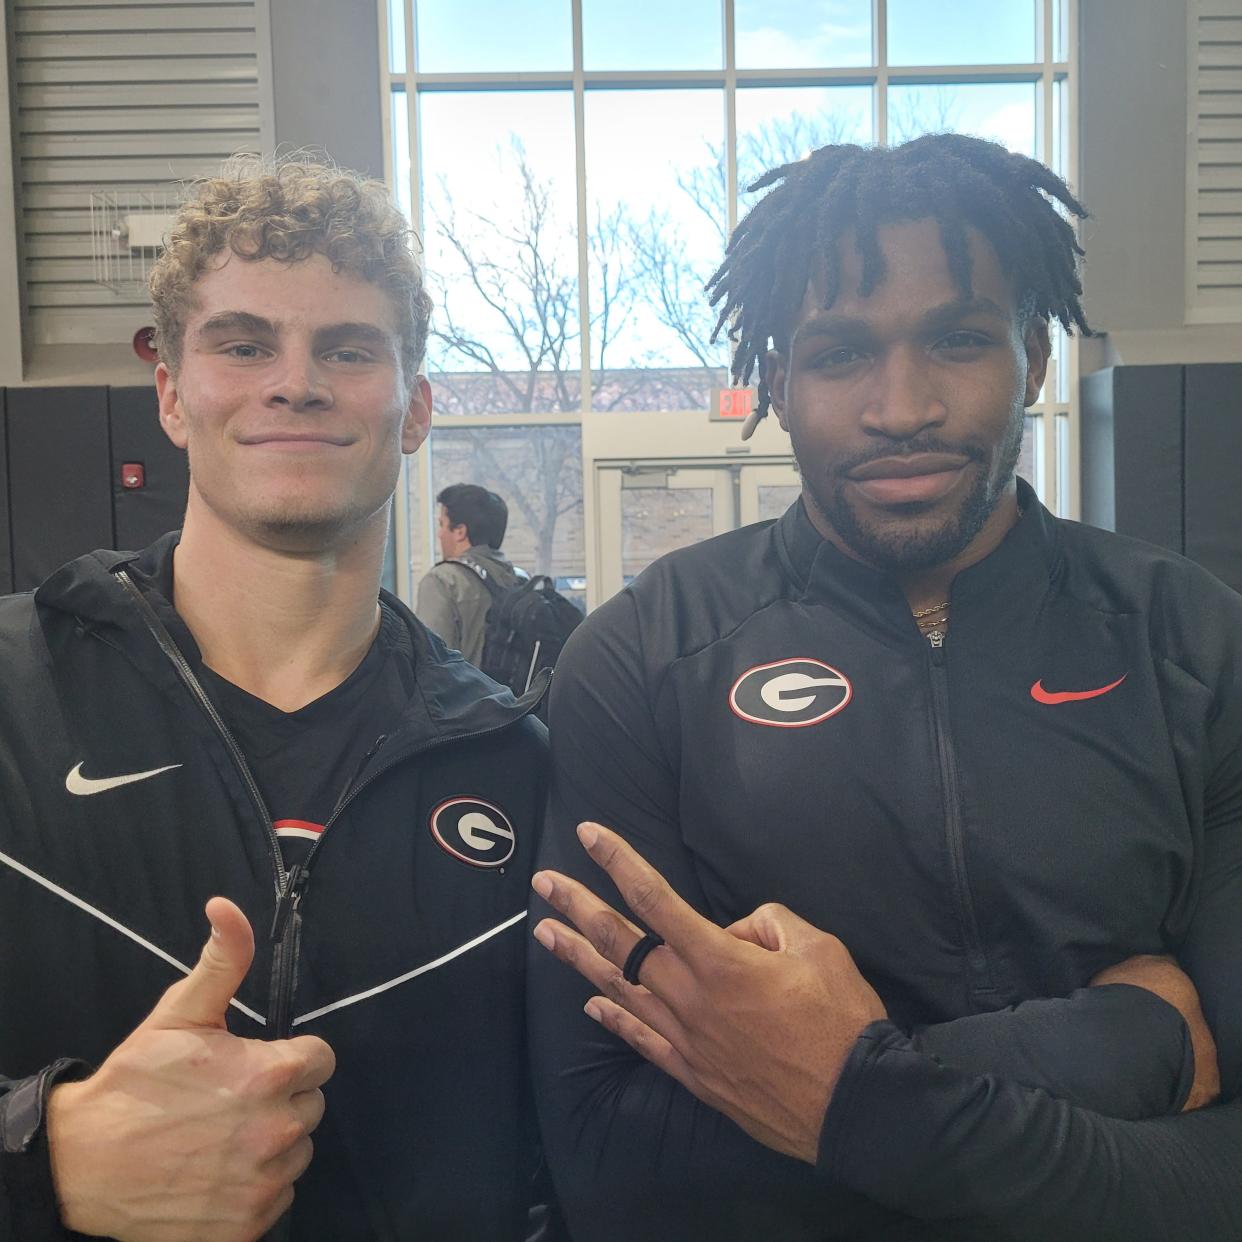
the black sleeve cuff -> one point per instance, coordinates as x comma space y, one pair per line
1117, 1050
28, 1206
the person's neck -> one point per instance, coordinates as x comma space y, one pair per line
929, 587
926, 588
286, 626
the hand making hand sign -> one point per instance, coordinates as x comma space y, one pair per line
756, 1019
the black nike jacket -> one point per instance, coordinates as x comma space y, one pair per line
985, 826
411, 924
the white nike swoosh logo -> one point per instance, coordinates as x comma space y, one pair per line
76, 783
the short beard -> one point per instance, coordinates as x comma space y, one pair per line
906, 544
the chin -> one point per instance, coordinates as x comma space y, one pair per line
915, 539
306, 527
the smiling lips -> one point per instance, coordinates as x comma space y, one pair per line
293, 441
920, 477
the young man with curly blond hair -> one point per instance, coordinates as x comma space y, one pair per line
239, 719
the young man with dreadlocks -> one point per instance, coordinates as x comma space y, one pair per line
992, 759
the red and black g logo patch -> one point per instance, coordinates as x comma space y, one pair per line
474, 832
790, 694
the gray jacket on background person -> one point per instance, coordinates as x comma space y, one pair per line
453, 599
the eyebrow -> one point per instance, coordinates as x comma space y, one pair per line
828, 324
368, 332
256, 325
238, 321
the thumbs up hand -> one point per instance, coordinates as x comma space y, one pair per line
187, 1131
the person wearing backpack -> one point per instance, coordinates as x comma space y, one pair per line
507, 623
453, 598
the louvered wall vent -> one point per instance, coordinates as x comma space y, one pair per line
128, 99
1214, 163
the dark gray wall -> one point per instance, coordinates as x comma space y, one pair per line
326, 83
1132, 160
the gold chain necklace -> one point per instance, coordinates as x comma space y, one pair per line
932, 621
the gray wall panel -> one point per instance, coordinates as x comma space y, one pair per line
6, 547
326, 86
1214, 469
60, 502
1132, 160
121, 100
144, 514
1132, 452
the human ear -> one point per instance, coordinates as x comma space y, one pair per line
775, 374
417, 424
1038, 346
172, 415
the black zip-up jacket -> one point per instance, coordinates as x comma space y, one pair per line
985, 826
411, 924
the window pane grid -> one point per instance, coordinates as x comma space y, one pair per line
765, 79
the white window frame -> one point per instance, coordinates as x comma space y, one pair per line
612, 436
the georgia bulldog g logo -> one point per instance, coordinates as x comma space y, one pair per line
474, 832
790, 694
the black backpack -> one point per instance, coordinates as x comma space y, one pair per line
525, 628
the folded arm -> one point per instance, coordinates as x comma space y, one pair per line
1009, 1153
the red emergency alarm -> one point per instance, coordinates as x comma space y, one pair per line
144, 345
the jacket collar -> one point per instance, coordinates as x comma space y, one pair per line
452, 698
1004, 586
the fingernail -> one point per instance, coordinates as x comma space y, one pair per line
588, 834
546, 936
215, 932
542, 885
593, 1011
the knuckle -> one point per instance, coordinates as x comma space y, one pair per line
319, 1055
603, 934
567, 949
273, 1135
304, 1152
615, 987
643, 896
257, 1198
277, 1075
606, 851
719, 973
317, 1107
639, 1038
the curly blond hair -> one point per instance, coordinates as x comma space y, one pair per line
290, 209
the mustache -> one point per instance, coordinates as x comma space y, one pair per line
884, 447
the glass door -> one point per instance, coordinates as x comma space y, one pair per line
650, 507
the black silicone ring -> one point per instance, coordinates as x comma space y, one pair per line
638, 955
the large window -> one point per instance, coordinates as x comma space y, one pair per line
574, 168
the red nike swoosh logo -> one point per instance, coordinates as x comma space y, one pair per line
1040, 695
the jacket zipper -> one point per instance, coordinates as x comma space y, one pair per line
186, 673
980, 969
286, 932
287, 924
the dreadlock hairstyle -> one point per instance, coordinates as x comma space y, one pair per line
956, 180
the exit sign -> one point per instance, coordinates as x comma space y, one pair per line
731, 405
